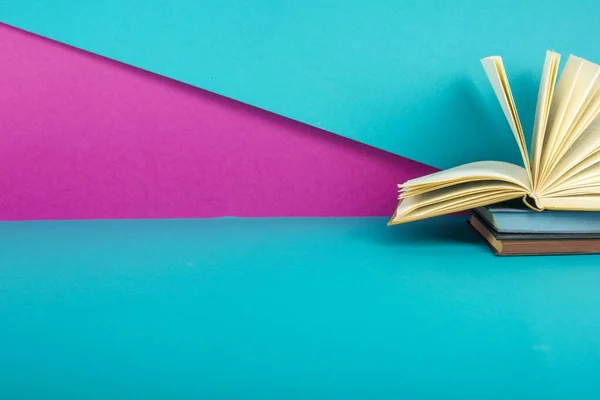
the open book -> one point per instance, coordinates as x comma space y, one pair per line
563, 170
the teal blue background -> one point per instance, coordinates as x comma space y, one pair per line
289, 309
404, 76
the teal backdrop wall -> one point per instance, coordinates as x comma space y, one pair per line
403, 76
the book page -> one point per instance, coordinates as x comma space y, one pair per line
560, 100
575, 203
560, 180
418, 207
469, 203
585, 147
547, 82
496, 74
579, 179
480, 170
593, 189
465, 189
461, 204
587, 115
460, 188
577, 102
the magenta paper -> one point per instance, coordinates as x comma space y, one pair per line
83, 137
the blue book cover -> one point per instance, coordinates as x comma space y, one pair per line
514, 217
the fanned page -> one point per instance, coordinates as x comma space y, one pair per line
547, 82
581, 156
460, 188
574, 175
564, 172
573, 108
572, 150
480, 170
583, 108
494, 68
583, 202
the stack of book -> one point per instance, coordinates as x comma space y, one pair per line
558, 186
511, 229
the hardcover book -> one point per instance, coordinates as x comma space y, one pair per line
512, 244
514, 218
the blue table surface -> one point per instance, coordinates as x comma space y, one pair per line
289, 308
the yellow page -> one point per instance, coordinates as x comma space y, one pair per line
588, 115
465, 189
558, 109
466, 202
589, 176
576, 203
581, 107
586, 146
411, 209
460, 194
496, 74
547, 82
480, 170
565, 177
578, 191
